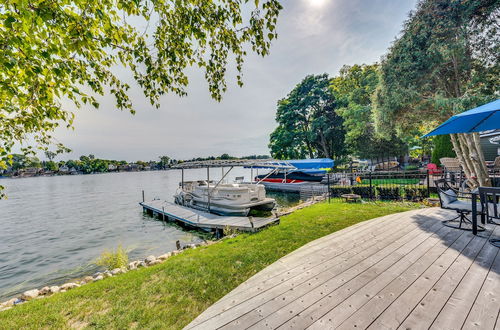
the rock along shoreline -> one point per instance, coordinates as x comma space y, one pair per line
47, 291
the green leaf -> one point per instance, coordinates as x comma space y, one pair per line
8, 21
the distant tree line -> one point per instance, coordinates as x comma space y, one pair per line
23, 165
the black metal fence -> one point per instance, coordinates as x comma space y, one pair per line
388, 185
459, 177
399, 185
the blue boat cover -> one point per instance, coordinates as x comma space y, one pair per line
483, 118
318, 163
310, 166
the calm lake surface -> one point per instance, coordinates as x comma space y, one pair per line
52, 228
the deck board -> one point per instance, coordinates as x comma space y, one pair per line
398, 271
328, 266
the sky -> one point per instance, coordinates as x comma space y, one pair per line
315, 36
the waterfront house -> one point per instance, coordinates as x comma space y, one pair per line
490, 143
63, 169
29, 172
123, 168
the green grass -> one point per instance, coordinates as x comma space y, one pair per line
173, 293
394, 181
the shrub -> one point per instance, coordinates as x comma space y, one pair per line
337, 191
362, 190
113, 259
389, 193
442, 148
415, 193
411, 167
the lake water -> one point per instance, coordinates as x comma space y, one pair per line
52, 228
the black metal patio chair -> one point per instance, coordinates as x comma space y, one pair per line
451, 198
490, 202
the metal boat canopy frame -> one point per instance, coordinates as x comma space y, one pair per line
272, 164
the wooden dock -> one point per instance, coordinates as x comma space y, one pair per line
402, 271
204, 220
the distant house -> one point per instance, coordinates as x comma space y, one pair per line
73, 171
29, 171
63, 169
8, 171
490, 143
112, 167
135, 167
123, 168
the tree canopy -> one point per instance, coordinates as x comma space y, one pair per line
308, 125
353, 90
67, 50
444, 62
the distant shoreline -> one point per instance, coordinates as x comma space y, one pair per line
2, 176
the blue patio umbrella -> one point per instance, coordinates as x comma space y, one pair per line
483, 118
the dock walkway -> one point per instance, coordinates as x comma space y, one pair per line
402, 271
205, 220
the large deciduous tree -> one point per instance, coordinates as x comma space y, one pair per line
66, 50
445, 61
353, 90
308, 125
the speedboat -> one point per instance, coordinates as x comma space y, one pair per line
225, 199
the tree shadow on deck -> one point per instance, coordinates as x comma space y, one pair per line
472, 247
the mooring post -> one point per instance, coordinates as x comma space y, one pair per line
428, 184
208, 187
328, 185
163, 212
371, 186
143, 200
251, 221
178, 245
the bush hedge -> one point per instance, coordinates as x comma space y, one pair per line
338, 191
363, 190
393, 192
415, 193
388, 193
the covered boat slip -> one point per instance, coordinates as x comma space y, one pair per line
204, 220
401, 271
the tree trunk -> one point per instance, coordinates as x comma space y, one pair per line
462, 158
468, 150
477, 158
326, 152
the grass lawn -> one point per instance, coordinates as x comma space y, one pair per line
172, 294
395, 181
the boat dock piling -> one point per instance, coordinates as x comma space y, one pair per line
204, 220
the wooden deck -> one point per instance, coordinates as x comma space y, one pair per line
402, 271
205, 220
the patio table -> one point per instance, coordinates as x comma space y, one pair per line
474, 211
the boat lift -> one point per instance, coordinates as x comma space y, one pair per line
272, 164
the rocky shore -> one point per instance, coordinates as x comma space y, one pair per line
99, 276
